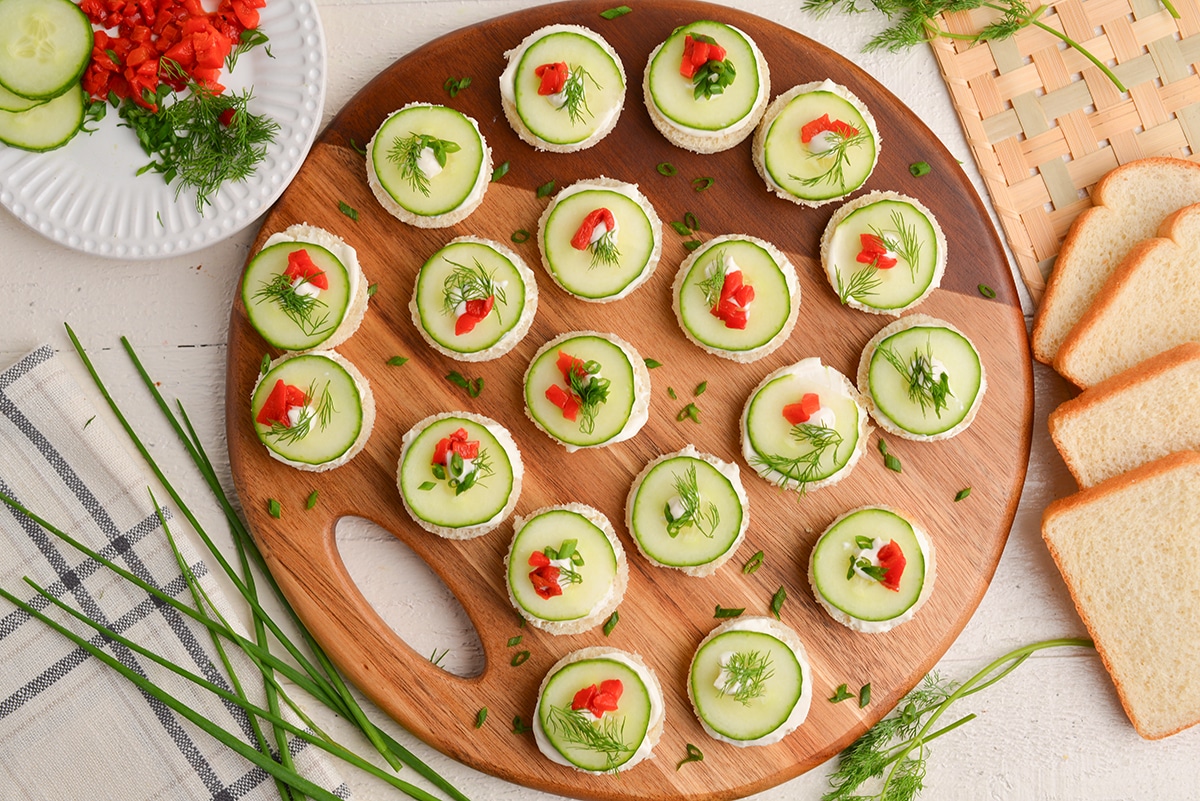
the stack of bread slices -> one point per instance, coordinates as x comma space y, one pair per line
1121, 320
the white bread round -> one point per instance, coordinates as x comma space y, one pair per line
630, 190
864, 379
880, 626
654, 729
786, 635
513, 57
514, 334
638, 414
366, 397
357, 308
510, 449
864, 431
607, 605
789, 278
873, 197
710, 141
727, 469
773, 111
455, 215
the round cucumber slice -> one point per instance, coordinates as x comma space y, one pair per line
595, 88
802, 456
908, 230
469, 269
794, 168
581, 272
675, 96
440, 499
288, 319
715, 526
587, 583
698, 288
450, 188
612, 417
11, 102
331, 420
900, 381
745, 684
858, 596
46, 126
625, 728
44, 47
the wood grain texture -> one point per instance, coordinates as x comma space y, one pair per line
664, 614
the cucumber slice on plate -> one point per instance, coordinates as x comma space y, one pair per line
674, 96
924, 378
294, 313
44, 47
849, 569
459, 474
11, 102
750, 682
45, 126
689, 511
620, 259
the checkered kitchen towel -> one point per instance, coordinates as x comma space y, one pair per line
70, 726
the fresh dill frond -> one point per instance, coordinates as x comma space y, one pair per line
903, 241
746, 675
839, 151
801, 470
322, 413
574, 93
301, 309
924, 388
592, 391
405, 153
862, 284
705, 517
715, 282
604, 250
466, 283
577, 728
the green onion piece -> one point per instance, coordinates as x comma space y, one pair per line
456, 378
274, 509
919, 168
693, 755
397, 361
700, 388
372, 289
545, 188
362, 151
480, 717
892, 463
864, 695
611, 623
841, 695
519, 726
721, 612
89, 421
426, 486
348, 210
700, 184
265, 365
312, 500
500, 171
689, 412
671, 393
475, 388
883, 446
777, 601
754, 563
666, 168
520, 658
652, 363
692, 244
613, 13
691, 222
680, 228
987, 291
520, 235
515, 640
455, 85
962, 493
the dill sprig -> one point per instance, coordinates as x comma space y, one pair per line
862, 284
924, 388
899, 744
604, 250
839, 151
299, 308
746, 675
712, 285
705, 517
592, 391
322, 413
406, 154
574, 93
606, 736
465, 283
801, 470
903, 241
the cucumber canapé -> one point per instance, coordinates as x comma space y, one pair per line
44, 47
853, 563
677, 98
429, 159
609, 266
296, 294
561, 566
455, 473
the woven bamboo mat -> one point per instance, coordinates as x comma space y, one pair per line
1045, 124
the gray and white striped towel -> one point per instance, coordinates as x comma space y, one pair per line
70, 726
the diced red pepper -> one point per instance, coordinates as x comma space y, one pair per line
554, 77
599, 700
823, 123
797, 413
566, 362
875, 251
539, 559
545, 581
583, 237
731, 307
282, 398
473, 315
301, 265
891, 559
564, 400
455, 443
697, 52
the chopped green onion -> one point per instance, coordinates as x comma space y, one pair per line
841, 695
691, 222
864, 695
519, 726
545, 188
700, 388
480, 717
348, 210
455, 85
987, 291
693, 755
721, 612
613, 13
265, 364
666, 168
883, 446
700, 184
426, 486
689, 412
274, 509
515, 640
892, 463
671, 393
754, 563
962, 493
397, 361
520, 235
611, 623
519, 658
500, 171
311, 501
777, 601
919, 168
372, 289
692, 244
362, 151
680, 228
652, 363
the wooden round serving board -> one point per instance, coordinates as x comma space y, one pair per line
664, 614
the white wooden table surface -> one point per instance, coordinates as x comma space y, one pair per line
1052, 730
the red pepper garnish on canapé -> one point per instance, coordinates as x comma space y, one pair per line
554, 77
565, 399
473, 314
732, 307
822, 124
891, 559
797, 413
875, 251
697, 52
301, 265
599, 700
583, 237
544, 577
455, 443
282, 398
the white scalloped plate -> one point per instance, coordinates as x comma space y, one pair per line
88, 197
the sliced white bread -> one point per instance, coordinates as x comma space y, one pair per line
1150, 304
1135, 417
1125, 548
1129, 204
